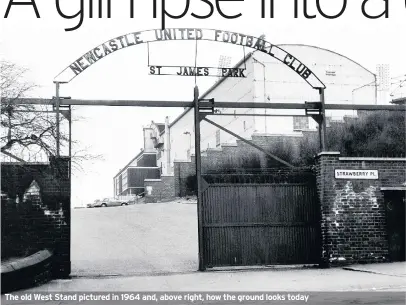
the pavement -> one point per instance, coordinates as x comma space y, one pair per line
397, 269
322, 286
266, 279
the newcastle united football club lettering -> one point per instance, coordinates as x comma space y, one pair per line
192, 34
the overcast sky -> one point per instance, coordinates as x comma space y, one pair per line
42, 46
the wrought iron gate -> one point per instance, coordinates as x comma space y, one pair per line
260, 224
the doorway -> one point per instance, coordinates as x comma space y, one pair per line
395, 219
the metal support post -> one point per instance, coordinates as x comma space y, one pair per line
70, 132
70, 146
202, 266
57, 103
321, 136
322, 125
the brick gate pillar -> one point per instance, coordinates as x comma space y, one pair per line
326, 162
60, 168
353, 210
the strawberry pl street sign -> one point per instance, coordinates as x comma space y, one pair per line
356, 174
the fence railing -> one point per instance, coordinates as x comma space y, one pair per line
259, 178
188, 186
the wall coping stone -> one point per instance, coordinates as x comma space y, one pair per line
6, 267
370, 159
394, 188
181, 161
27, 272
328, 153
229, 145
142, 167
291, 135
25, 163
21, 263
245, 138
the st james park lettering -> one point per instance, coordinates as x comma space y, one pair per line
191, 34
196, 71
181, 71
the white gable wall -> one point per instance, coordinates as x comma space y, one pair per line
347, 83
231, 90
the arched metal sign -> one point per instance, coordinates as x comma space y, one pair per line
136, 38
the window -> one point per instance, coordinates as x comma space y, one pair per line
218, 138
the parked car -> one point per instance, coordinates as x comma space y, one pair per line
109, 202
95, 204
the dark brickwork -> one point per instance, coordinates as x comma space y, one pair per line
160, 190
182, 172
147, 160
54, 202
136, 176
353, 211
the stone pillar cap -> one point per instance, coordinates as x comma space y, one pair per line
329, 153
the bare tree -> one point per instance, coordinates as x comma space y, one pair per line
26, 129
29, 131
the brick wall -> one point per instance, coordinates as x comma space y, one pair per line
53, 201
136, 176
147, 160
183, 170
353, 212
157, 190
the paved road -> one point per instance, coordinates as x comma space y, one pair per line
157, 244
134, 240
